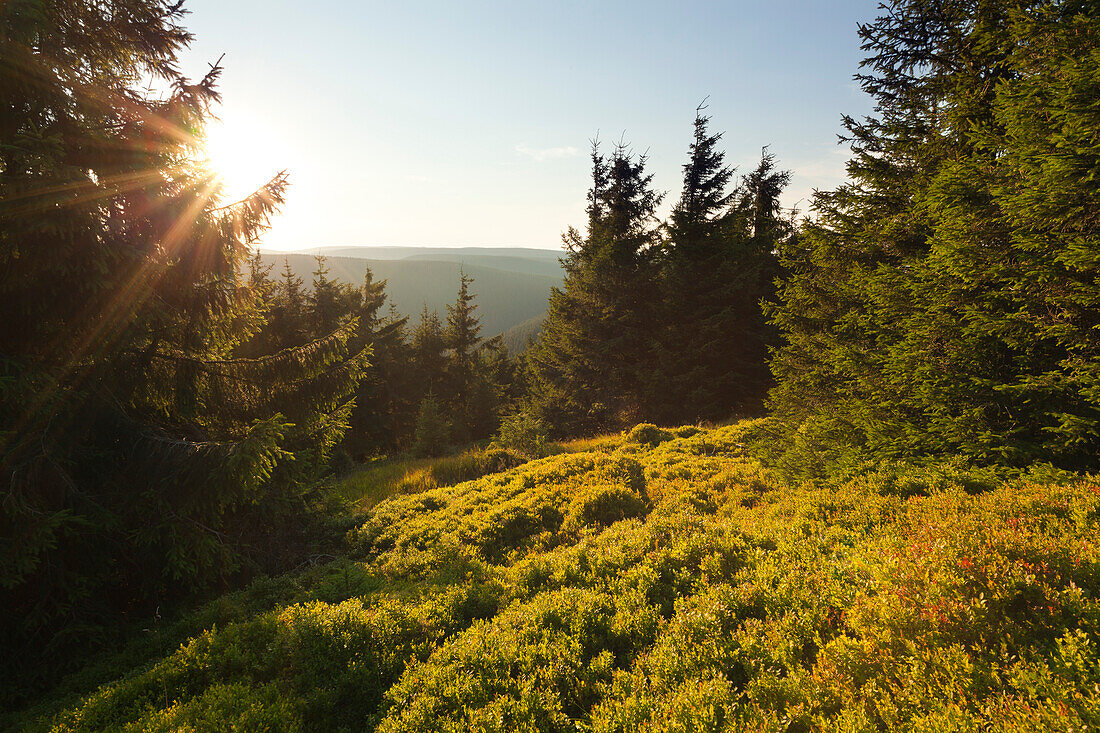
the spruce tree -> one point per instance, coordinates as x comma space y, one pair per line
288, 323
383, 402
711, 345
501, 381
758, 207
429, 360
330, 302
943, 302
766, 229
697, 225
432, 436
259, 278
588, 370
139, 456
462, 340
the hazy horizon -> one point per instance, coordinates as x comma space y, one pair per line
306, 249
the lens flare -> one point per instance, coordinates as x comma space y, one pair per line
244, 154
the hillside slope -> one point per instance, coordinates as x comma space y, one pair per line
665, 581
517, 337
505, 297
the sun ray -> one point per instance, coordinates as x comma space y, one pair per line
105, 329
240, 153
82, 191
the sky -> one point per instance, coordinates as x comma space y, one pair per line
469, 123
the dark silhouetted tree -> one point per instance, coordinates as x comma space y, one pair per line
462, 341
712, 342
587, 370
384, 403
138, 455
429, 360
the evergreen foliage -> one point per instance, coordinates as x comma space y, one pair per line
662, 321
472, 380
522, 432
462, 341
429, 360
383, 405
330, 302
143, 460
475, 379
945, 301
719, 263
587, 372
433, 429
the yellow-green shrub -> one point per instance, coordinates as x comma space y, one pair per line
676, 586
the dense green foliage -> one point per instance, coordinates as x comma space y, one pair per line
717, 265
523, 432
478, 372
662, 320
661, 582
294, 315
433, 430
945, 301
442, 376
142, 460
584, 369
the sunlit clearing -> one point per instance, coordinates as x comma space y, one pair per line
244, 154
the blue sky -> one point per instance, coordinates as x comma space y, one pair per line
468, 123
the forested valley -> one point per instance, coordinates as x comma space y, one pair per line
756, 469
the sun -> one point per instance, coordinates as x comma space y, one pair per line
243, 153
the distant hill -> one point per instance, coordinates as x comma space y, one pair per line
551, 268
516, 338
512, 284
442, 254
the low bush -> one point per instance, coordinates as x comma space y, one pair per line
675, 585
647, 434
603, 505
524, 433
383, 478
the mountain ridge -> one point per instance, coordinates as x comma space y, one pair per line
512, 287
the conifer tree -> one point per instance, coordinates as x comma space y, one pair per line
330, 302
288, 324
944, 301
588, 369
138, 455
503, 380
383, 402
697, 227
259, 278
711, 346
765, 229
462, 340
429, 361
292, 288
433, 431
758, 206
